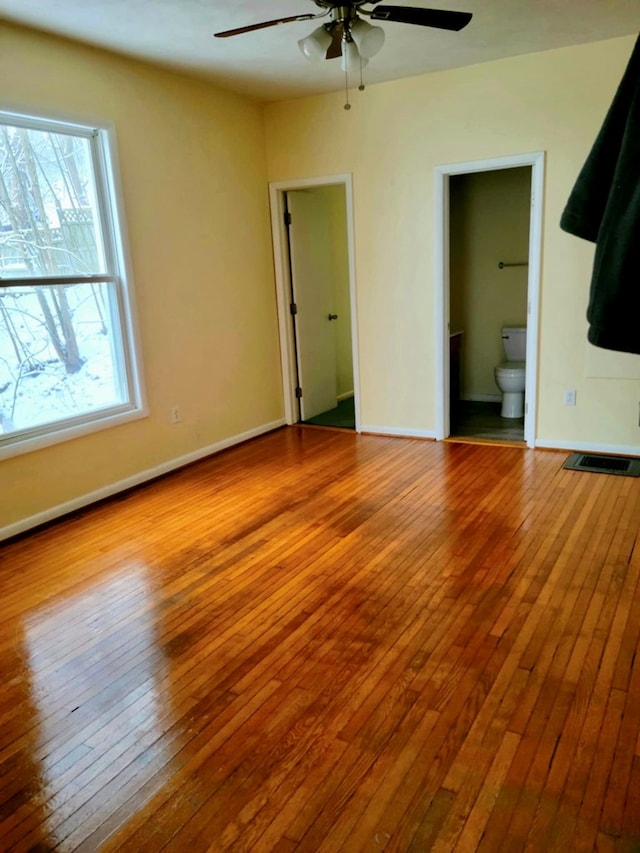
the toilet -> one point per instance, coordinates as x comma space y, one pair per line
510, 375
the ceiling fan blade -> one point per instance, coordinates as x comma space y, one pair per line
239, 30
438, 18
335, 48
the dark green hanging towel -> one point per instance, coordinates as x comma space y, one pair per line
604, 207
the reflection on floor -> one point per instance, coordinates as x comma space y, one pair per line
342, 416
482, 420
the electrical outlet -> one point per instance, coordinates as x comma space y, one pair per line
570, 397
176, 415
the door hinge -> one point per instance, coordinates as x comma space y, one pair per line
293, 308
287, 218
298, 392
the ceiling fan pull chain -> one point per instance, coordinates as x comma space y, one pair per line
361, 86
347, 105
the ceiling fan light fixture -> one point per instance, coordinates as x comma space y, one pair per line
314, 46
368, 39
349, 36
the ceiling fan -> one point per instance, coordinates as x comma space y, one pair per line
348, 35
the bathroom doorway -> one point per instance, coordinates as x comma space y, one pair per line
488, 270
312, 228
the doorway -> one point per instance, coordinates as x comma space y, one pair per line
488, 214
313, 251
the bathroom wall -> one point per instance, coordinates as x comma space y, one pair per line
489, 222
340, 254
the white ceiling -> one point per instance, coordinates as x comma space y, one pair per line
267, 64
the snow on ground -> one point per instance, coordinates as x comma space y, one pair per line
32, 397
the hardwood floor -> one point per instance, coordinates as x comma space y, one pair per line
321, 641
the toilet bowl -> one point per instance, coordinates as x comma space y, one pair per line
510, 379
510, 376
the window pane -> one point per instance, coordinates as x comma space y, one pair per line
57, 353
48, 213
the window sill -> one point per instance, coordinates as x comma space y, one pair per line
28, 444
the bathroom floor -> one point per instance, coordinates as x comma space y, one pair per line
483, 421
343, 416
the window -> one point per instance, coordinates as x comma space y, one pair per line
67, 356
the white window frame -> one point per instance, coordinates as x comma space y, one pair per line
118, 272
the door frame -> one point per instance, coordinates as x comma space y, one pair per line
277, 190
442, 281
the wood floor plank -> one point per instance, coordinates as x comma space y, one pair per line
320, 641
353, 830
477, 817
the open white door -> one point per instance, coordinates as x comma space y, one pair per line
315, 317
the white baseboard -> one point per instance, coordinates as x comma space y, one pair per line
346, 396
587, 447
397, 431
135, 480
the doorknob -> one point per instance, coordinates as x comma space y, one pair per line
333, 316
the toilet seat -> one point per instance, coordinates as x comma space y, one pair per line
511, 368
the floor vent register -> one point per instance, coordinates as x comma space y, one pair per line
624, 466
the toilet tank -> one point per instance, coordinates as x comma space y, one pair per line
514, 339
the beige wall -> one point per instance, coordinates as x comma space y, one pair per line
489, 222
340, 259
193, 174
391, 140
